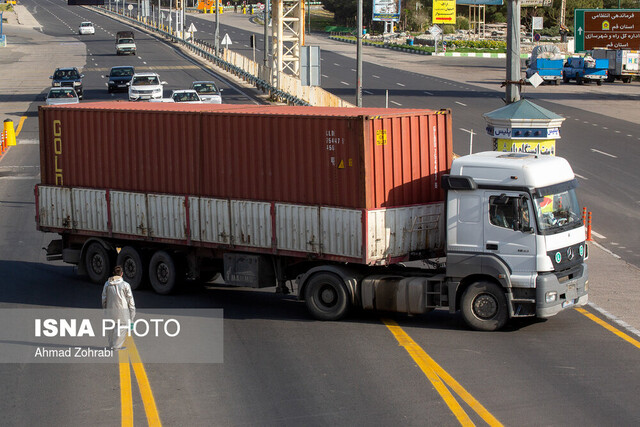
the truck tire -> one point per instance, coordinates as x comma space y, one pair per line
133, 267
599, 82
98, 262
484, 306
579, 80
326, 297
565, 80
163, 273
626, 80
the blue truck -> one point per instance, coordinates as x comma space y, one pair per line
585, 69
547, 62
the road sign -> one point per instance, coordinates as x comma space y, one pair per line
435, 31
226, 41
192, 28
607, 28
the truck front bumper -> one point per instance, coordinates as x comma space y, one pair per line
556, 292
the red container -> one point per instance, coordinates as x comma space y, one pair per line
344, 157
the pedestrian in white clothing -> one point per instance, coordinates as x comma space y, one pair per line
117, 299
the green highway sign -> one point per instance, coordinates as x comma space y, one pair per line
607, 28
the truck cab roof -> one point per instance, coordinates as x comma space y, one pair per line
494, 168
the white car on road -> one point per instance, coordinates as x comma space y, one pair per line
145, 86
86, 28
61, 95
208, 91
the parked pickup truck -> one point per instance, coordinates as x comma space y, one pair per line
623, 64
585, 69
547, 62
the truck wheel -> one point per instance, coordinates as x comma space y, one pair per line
98, 262
484, 306
579, 80
132, 266
163, 273
626, 80
326, 297
565, 80
599, 82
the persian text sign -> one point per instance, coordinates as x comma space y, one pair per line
444, 11
611, 29
386, 10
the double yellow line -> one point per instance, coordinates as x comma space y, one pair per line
131, 358
441, 380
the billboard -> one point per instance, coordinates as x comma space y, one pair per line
607, 28
444, 11
386, 10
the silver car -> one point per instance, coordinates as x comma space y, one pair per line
208, 91
61, 95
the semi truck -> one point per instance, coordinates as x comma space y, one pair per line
623, 64
350, 207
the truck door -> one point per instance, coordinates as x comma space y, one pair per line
509, 235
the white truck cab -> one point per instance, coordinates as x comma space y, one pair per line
515, 217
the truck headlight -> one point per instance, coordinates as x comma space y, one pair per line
77, 83
550, 296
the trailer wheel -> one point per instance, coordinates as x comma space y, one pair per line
163, 273
98, 262
484, 306
132, 266
326, 297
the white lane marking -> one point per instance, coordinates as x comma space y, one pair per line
594, 124
629, 135
345, 83
428, 93
353, 70
400, 84
460, 103
617, 131
367, 92
598, 235
396, 103
325, 76
374, 76
620, 322
605, 128
336, 64
581, 177
603, 153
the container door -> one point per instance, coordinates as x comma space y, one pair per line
504, 236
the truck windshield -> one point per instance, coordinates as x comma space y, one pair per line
557, 209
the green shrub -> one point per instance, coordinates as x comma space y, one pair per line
462, 23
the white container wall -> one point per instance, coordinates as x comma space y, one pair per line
167, 216
215, 221
90, 209
341, 232
298, 228
251, 223
54, 209
129, 213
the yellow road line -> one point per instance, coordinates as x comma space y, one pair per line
20, 123
126, 401
609, 327
153, 418
431, 369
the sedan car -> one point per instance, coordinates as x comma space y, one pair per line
86, 28
187, 96
68, 77
208, 91
119, 77
145, 86
61, 95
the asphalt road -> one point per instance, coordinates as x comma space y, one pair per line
280, 367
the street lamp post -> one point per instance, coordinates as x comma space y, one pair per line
359, 58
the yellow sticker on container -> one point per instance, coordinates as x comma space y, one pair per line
341, 165
381, 137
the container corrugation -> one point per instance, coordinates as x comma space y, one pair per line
341, 232
298, 228
55, 207
129, 213
215, 221
338, 157
90, 209
251, 223
167, 216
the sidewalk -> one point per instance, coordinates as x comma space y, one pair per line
613, 284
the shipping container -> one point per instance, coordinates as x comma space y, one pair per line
348, 158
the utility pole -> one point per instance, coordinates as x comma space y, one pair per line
513, 51
217, 41
359, 58
266, 33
